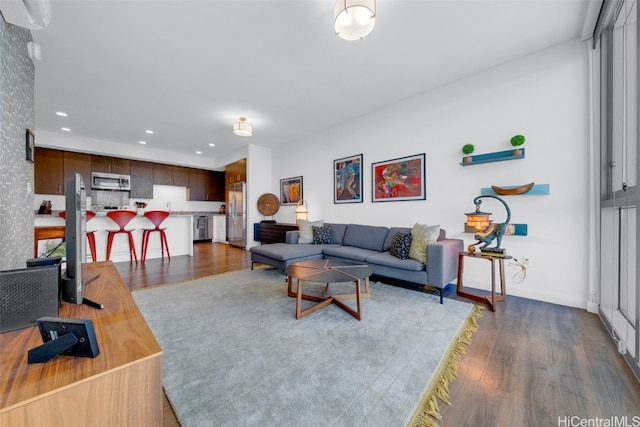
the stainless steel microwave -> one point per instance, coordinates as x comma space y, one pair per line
110, 181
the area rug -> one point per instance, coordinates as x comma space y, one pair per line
234, 354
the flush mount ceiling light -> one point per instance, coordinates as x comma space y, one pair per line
242, 128
354, 19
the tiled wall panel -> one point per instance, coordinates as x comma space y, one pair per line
17, 75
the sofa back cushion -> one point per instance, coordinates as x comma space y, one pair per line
337, 233
391, 235
365, 236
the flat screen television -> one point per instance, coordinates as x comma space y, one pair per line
72, 288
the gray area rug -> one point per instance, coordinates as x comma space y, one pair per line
234, 354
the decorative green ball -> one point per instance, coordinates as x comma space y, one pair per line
517, 140
468, 149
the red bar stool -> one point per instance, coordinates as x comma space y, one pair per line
121, 218
156, 217
91, 236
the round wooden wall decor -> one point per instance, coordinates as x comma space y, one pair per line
268, 204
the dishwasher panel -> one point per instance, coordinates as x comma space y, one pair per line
202, 228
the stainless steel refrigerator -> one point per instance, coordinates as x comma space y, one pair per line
237, 215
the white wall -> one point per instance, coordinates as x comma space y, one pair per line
542, 96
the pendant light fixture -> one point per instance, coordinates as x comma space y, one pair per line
242, 128
354, 19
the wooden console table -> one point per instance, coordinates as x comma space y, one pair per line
490, 299
271, 232
122, 386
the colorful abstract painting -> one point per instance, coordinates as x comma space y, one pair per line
347, 180
290, 190
399, 179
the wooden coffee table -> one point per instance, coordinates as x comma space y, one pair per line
328, 271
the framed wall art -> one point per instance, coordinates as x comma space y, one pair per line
30, 146
399, 179
347, 179
290, 190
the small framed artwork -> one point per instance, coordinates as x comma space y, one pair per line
399, 179
290, 190
30, 145
347, 179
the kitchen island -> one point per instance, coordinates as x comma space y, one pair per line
179, 230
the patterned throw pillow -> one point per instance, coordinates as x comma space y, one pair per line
321, 235
401, 245
420, 236
305, 232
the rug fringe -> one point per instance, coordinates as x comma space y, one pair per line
428, 412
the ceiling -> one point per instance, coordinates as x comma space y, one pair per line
188, 69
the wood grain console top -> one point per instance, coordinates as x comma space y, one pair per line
123, 337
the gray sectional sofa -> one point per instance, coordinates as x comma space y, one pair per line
371, 245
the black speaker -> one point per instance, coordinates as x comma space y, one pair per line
27, 295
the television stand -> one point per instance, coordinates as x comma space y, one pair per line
87, 301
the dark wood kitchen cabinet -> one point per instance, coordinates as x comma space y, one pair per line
48, 171
78, 163
206, 185
170, 175
141, 179
197, 184
110, 165
214, 189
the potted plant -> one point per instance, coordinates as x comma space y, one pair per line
517, 141
467, 149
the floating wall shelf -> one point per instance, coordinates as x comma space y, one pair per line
537, 190
498, 156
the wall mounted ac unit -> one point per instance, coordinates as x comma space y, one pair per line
31, 14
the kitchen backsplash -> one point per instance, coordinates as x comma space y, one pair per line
166, 197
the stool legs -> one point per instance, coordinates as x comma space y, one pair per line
164, 245
132, 246
91, 238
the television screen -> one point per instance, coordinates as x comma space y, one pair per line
75, 226
72, 288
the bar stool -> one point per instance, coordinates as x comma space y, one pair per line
121, 218
91, 236
156, 218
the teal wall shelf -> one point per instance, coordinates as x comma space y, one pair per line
537, 190
498, 156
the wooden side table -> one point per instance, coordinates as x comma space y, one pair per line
490, 300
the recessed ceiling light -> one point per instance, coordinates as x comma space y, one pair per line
62, 114
66, 129
212, 145
149, 131
142, 142
198, 152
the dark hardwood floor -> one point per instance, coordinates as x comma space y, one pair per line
530, 363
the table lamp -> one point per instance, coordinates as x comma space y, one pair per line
486, 232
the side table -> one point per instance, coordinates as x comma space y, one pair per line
490, 300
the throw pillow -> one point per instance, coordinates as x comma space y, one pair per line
321, 235
421, 235
401, 245
305, 229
